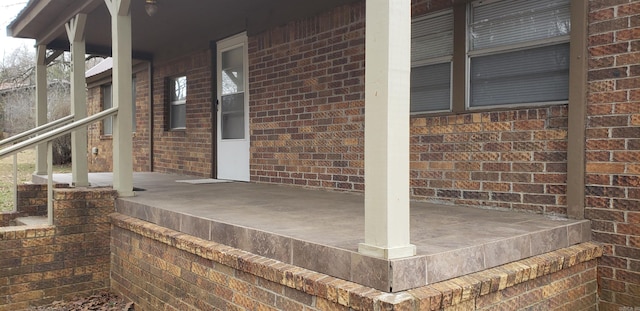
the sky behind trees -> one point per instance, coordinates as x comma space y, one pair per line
9, 9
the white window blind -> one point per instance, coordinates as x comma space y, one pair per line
519, 52
431, 87
512, 22
527, 76
431, 54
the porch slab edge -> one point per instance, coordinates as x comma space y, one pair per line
349, 294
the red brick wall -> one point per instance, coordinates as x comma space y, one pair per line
512, 159
32, 201
613, 147
102, 162
307, 125
184, 151
158, 268
306, 97
39, 265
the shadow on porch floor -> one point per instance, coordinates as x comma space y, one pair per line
320, 230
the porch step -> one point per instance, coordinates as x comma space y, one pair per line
32, 221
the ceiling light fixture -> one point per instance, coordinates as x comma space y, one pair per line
151, 6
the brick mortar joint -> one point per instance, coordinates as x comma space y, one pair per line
20, 232
84, 194
356, 296
512, 274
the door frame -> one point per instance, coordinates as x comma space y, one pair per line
223, 45
213, 46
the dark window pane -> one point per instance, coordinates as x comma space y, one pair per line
529, 76
233, 116
178, 116
431, 88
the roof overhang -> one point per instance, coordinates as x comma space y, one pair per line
179, 26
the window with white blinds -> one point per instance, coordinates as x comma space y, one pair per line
431, 56
519, 52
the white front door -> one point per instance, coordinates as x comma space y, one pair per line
233, 109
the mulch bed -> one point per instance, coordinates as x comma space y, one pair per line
104, 301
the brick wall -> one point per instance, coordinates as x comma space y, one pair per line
613, 147
32, 201
158, 268
102, 162
184, 151
7, 218
39, 265
306, 96
511, 159
307, 125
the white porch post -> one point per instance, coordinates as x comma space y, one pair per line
41, 106
388, 53
122, 84
79, 168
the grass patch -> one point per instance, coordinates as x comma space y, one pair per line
26, 167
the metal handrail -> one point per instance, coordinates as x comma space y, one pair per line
51, 135
48, 138
21, 136
37, 130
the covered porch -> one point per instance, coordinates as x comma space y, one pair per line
378, 239
321, 230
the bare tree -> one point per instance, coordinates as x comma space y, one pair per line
17, 95
17, 68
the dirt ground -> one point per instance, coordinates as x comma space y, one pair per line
99, 302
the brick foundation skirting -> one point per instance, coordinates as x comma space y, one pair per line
42, 264
153, 266
32, 201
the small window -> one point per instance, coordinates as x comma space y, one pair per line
431, 59
107, 102
178, 103
133, 105
518, 52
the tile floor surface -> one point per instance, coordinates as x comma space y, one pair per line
320, 230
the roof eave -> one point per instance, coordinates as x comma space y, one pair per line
17, 27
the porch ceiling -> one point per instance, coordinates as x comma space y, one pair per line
179, 26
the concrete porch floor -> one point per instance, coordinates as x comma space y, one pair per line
320, 230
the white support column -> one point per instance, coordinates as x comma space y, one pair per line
79, 168
122, 96
387, 86
41, 106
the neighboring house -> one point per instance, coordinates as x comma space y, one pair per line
99, 96
527, 105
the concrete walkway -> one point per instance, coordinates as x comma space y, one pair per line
320, 230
